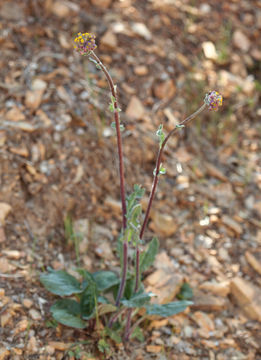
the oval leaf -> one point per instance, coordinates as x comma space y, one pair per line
67, 312
61, 283
137, 300
147, 258
169, 309
105, 280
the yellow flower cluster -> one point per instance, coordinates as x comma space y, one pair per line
85, 42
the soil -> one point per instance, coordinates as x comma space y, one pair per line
58, 163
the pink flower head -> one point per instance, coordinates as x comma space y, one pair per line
214, 100
85, 43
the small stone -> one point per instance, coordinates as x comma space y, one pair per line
13, 254
221, 289
4, 211
5, 318
35, 315
254, 259
223, 254
165, 284
15, 114
33, 97
135, 108
109, 40
2, 293
248, 297
154, 348
21, 326
141, 30
141, 70
104, 251
5, 267
241, 41
50, 349
163, 223
215, 172
4, 353
104, 4
60, 9
165, 90
32, 347
206, 302
209, 50
205, 324
113, 204
232, 224
21, 151
57, 345
28, 303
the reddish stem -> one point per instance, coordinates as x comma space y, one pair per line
158, 162
119, 141
146, 218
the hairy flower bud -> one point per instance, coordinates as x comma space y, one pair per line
214, 100
84, 43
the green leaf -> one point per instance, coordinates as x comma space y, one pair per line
137, 334
88, 301
105, 280
180, 126
67, 312
61, 283
161, 135
102, 300
162, 170
129, 288
186, 292
137, 300
87, 278
169, 309
147, 258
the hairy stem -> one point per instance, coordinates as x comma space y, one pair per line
124, 273
119, 140
158, 162
128, 331
121, 170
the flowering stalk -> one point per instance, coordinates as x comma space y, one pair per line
212, 100
85, 45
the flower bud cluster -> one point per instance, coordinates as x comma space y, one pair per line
84, 43
214, 100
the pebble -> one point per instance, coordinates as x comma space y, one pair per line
35, 315
27, 303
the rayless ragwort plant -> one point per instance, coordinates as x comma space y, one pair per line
91, 301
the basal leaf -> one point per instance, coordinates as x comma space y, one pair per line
137, 300
88, 301
105, 280
169, 309
147, 258
67, 312
61, 283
